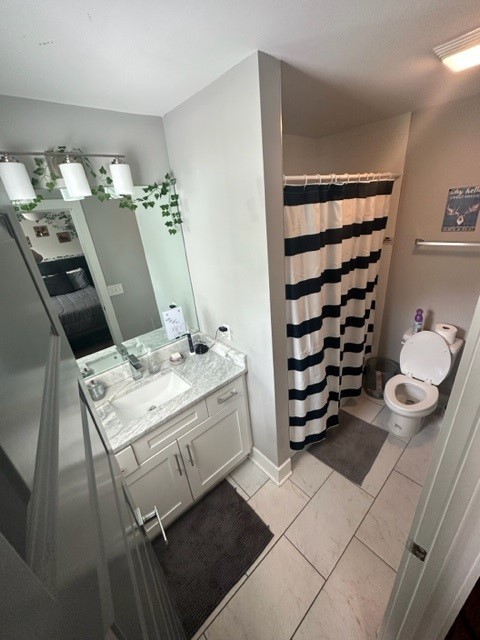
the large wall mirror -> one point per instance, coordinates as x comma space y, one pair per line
111, 274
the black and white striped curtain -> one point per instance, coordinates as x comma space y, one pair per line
333, 242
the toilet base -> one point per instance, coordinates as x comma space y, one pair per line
403, 426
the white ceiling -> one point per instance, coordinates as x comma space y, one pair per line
346, 62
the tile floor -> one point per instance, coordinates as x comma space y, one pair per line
328, 572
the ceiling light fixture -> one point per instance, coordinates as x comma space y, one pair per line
461, 53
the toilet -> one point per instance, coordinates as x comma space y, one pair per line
426, 359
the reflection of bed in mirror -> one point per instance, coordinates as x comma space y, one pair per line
76, 302
136, 271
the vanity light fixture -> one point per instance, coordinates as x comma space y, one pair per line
74, 185
15, 179
75, 178
461, 53
122, 177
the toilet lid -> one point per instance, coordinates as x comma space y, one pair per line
426, 356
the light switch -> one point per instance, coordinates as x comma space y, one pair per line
115, 289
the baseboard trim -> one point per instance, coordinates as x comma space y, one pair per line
278, 474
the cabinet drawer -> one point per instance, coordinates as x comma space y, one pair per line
225, 396
127, 461
159, 438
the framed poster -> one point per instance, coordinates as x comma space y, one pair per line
461, 212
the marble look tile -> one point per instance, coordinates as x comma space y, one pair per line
362, 407
278, 506
386, 526
308, 473
238, 488
387, 458
416, 458
249, 477
324, 528
352, 603
379, 401
273, 601
199, 634
382, 421
263, 555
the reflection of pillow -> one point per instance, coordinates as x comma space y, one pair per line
78, 278
58, 284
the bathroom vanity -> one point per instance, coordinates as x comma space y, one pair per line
175, 450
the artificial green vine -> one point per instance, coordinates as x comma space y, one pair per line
154, 192
59, 220
45, 178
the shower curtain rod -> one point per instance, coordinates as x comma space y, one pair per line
343, 177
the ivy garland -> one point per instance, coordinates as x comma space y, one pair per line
44, 178
61, 220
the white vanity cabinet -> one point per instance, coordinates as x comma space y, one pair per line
161, 481
176, 463
215, 447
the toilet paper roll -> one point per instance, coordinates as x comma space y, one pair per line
447, 331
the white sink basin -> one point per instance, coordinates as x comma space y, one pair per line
149, 396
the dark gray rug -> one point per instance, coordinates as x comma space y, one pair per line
209, 549
350, 448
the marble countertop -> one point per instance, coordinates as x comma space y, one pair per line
205, 373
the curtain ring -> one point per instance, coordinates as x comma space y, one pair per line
319, 179
306, 180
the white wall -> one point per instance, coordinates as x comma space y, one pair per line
271, 114
35, 125
300, 155
379, 146
443, 152
216, 150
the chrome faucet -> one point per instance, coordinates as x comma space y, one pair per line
136, 366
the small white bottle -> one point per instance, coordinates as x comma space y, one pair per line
418, 321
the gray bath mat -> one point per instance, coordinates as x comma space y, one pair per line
351, 448
209, 549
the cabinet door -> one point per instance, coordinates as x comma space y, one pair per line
215, 446
161, 482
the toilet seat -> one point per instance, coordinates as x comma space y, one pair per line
425, 361
419, 409
426, 356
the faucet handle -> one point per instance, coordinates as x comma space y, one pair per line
122, 350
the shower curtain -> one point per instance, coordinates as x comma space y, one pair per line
333, 242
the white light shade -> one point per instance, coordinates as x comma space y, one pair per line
461, 53
66, 196
17, 183
75, 179
463, 59
122, 179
